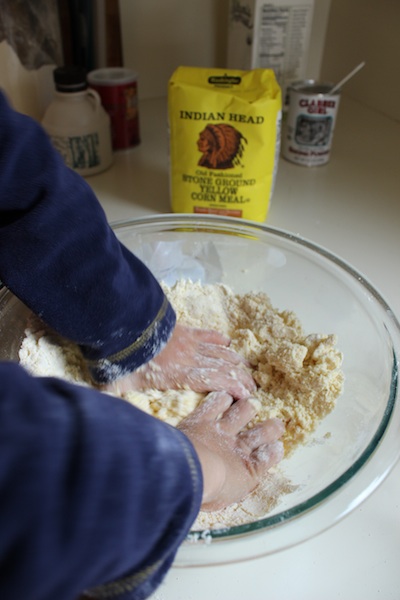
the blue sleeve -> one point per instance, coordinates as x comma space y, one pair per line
61, 258
94, 492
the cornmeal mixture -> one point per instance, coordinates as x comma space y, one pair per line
299, 376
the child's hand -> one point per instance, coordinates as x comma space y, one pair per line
195, 359
233, 459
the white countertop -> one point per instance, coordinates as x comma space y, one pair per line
351, 206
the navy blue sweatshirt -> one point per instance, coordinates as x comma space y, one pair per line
93, 492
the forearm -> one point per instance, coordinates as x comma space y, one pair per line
59, 256
93, 490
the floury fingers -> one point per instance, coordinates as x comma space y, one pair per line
311, 118
224, 141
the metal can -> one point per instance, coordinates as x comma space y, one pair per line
117, 88
310, 123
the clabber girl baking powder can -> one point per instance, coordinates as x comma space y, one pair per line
310, 122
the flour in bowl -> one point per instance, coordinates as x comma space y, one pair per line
299, 375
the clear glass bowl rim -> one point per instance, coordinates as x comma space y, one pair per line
245, 228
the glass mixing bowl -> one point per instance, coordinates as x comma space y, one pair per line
331, 478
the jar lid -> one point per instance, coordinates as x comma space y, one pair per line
112, 76
70, 79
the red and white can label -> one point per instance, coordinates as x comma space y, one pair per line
310, 123
117, 88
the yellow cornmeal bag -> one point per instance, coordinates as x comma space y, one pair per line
224, 130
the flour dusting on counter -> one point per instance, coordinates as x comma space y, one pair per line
299, 375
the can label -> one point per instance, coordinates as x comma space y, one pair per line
117, 88
310, 123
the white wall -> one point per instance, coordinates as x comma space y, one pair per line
159, 35
366, 30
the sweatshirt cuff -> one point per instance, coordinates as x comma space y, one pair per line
135, 353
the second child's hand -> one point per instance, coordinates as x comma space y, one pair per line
233, 458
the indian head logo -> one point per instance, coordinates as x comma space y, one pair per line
221, 146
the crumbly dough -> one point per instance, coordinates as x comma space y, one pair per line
299, 376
